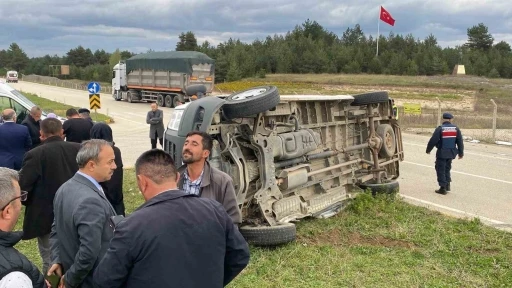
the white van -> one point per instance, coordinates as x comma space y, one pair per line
12, 98
11, 76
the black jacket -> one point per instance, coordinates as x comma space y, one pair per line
114, 187
33, 130
45, 168
174, 240
12, 260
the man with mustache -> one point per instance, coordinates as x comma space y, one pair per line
200, 178
81, 231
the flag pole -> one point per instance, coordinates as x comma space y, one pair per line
378, 34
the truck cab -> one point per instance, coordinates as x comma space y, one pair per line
11, 76
118, 79
294, 156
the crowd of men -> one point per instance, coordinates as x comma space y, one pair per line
69, 177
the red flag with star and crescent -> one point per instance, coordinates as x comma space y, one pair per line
386, 17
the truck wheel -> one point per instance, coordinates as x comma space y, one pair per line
386, 133
251, 101
129, 97
117, 95
168, 101
388, 187
370, 98
269, 235
160, 100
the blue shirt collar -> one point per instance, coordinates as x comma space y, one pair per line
92, 180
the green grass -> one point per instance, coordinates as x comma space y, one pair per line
376, 242
60, 108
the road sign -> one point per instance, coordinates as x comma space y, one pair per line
93, 87
412, 108
94, 101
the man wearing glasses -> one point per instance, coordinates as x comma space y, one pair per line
24, 274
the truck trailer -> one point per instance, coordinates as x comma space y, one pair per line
167, 78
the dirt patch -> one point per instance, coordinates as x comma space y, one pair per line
356, 239
415, 94
334, 238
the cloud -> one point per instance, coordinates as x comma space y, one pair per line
55, 26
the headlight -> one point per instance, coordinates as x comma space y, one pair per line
174, 123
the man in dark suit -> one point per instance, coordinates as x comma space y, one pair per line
14, 141
81, 230
175, 239
32, 121
155, 119
45, 168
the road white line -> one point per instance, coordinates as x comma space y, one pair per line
116, 116
453, 209
463, 173
469, 153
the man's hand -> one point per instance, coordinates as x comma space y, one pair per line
428, 153
57, 270
460, 157
61, 284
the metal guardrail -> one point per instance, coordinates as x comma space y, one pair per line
52, 81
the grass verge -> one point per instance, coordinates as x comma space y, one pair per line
375, 242
60, 109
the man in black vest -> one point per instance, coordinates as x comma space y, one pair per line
448, 140
15, 269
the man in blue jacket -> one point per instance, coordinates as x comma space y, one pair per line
14, 141
448, 140
175, 239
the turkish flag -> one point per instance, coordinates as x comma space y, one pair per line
386, 17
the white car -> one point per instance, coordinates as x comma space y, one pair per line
12, 98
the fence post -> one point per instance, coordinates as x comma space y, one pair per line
494, 116
438, 111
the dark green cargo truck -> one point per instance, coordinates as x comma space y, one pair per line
167, 78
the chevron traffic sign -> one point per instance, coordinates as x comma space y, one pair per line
94, 101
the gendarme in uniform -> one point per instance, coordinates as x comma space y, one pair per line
448, 140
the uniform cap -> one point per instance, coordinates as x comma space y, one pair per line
447, 115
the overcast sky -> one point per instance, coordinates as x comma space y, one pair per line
55, 26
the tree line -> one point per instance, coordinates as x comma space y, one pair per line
308, 48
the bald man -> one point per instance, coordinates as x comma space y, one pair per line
14, 141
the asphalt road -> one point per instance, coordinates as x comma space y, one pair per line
481, 181
130, 131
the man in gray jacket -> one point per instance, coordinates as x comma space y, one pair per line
81, 230
155, 119
200, 178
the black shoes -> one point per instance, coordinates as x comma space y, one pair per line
448, 187
442, 190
